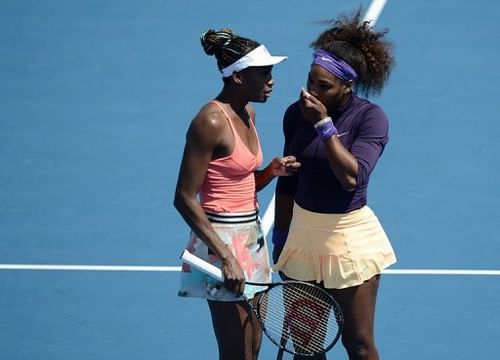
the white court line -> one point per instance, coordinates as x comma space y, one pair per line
441, 272
38, 267
374, 11
88, 267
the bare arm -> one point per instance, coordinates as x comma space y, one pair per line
279, 166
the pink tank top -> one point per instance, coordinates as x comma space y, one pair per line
229, 184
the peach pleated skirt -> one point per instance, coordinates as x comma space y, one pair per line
338, 250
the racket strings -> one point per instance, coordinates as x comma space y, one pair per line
300, 318
314, 344
308, 333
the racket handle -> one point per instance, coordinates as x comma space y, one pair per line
202, 265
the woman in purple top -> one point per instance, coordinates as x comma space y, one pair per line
324, 231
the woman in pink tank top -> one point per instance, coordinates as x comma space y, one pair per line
216, 192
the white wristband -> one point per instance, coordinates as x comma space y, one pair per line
323, 121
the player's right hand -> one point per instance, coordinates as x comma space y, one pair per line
234, 278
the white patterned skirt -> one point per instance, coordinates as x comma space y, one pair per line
243, 234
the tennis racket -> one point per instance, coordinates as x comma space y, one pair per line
298, 317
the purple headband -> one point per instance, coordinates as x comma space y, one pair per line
336, 66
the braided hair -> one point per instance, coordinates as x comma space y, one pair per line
353, 41
226, 46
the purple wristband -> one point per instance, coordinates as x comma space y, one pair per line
325, 129
279, 236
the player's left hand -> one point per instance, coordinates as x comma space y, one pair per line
285, 166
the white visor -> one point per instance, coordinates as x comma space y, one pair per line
259, 56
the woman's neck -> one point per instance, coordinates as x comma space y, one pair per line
237, 103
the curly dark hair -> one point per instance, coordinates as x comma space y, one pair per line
226, 46
366, 50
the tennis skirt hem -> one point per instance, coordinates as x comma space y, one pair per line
330, 270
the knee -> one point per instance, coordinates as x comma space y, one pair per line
361, 348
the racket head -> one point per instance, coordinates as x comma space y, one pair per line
299, 317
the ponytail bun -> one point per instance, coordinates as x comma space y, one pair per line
214, 41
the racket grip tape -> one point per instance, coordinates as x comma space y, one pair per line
202, 265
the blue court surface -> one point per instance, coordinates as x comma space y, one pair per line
95, 100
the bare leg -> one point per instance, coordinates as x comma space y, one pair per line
358, 307
237, 330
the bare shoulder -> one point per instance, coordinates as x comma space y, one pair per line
209, 124
210, 116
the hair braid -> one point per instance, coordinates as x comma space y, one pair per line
226, 46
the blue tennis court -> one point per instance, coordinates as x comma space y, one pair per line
96, 97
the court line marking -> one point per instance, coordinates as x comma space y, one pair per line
47, 267
88, 267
